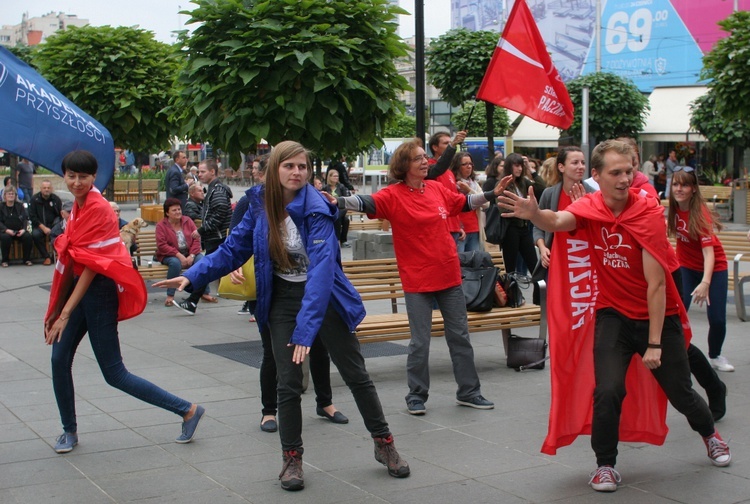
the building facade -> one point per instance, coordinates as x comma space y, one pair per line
34, 30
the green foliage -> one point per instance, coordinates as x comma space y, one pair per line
320, 72
120, 76
478, 124
457, 62
721, 132
23, 52
616, 106
728, 67
401, 126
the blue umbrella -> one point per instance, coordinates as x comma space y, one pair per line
42, 125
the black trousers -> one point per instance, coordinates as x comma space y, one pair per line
616, 339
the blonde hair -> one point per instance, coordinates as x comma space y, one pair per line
274, 200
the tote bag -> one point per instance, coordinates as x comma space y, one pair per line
239, 292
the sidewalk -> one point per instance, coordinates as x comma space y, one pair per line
127, 454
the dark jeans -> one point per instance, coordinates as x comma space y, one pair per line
716, 311
616, 339
26, 243
97, 315
320, 372
343, 346
40, 241
518, 240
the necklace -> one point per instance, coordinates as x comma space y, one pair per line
412, 189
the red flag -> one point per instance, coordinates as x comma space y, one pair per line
521, 75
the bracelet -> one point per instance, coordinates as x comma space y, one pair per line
655, 345
706, 283
63, 319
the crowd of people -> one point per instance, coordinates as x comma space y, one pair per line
293, 227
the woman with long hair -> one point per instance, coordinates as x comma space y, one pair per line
703, 263
303, 294
472, 223
428, 265
334, 187
570, 170
93, 288
518, 237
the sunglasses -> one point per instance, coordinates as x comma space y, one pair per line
686, 169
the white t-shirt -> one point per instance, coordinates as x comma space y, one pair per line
297, 252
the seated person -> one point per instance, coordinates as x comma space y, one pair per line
6, 183
59, 228
13, 226
120, 223
44, 212
175, 246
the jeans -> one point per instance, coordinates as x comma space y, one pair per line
97, 315
716, 311
26, 243
517, 241
174, 268
343, 346
616, 339
320, 372
40, 241
453, 307
471, 242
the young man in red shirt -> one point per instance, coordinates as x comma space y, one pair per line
626, 244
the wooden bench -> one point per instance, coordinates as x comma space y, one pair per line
718, 198
378, 279
359, 221
126, 190
148, 267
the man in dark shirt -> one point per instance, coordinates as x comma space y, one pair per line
194, 205
174, 180
25, 174
44, 212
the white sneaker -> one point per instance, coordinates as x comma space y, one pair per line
721, 363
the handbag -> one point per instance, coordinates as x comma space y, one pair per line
511, 283
495, 226
526, 353
239, 292
479, 288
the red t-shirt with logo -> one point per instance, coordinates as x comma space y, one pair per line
448, 179
690, 251
618, 259
425, 251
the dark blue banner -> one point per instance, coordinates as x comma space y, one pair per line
41, 125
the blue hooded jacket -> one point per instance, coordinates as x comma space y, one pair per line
326, 283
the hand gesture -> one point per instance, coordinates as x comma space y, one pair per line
459, 138
522, 208
700, 294
178, 283
502, 185
463, 187
577, 191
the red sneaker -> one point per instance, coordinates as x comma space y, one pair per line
718, 450
605, 479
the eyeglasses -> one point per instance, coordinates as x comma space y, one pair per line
468, 163
419, 159
686, 169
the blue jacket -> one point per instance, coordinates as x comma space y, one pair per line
326, 282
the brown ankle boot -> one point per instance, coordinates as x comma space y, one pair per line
291, 473
386, 454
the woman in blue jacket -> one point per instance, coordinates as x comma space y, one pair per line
302, 294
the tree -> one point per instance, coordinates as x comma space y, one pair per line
23, 52
120, 76
456, 64
478, 126
616, 106
727, 66
722, 133
320, 72
401, 126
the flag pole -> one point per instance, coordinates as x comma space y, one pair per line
468, 119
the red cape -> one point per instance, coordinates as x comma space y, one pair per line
572, 279
92, 239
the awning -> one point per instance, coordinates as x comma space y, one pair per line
669, 118
531, 133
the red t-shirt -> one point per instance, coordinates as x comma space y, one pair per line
425, 251
564, 200
690, 251
618, 259
448, 179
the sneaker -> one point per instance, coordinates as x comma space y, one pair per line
605, 479
416, 407
187, 306
291, 475
721, 363
477, 402
346, 245
717, 401
718, 450
190, 426
65, 442
245, 309
386, 454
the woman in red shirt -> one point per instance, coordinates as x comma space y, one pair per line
462, 168
703, 263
